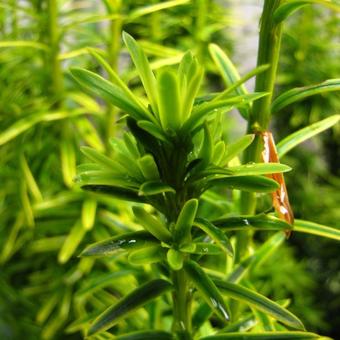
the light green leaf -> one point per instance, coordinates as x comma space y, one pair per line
169, 101
185, 221
190, 76
116, 79
101, 159
146, 256
207, 288
88, 213
257, 70
289, 7
153, 130
108, 91
88, 132
202, 111
259, 302
258, 169
32, 185
125, 242
264, 336
139, 12
148, 167
19, 127
215, 234
153, 225
142, 65
71, 243
237, 147
300, 93
68, 160
175, 259
97, 282
154, 188
316, 229
202, 248
136, 299
25, 44
229, 73
302, 135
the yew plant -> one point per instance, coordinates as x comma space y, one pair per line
173, 164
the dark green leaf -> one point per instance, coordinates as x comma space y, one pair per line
129, 241
264, 336
136, 299
215, 234
207, 288
246, 183
259, 256
259, 302
146, 335
258, 222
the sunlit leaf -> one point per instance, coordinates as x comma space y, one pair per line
300, 93
142, 65
316, 229
71, 243
302, 135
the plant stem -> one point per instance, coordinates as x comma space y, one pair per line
268, 53
113, 49
181, 305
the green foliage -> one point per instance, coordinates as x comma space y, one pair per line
156, 210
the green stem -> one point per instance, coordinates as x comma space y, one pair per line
200, 23
113, 49
268, 53
181, 306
